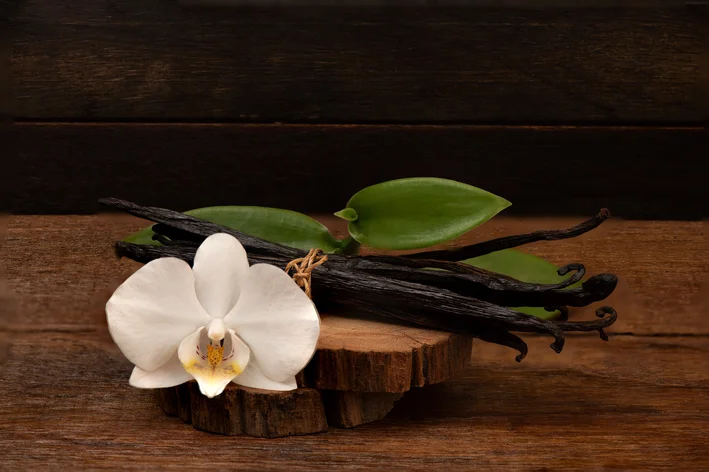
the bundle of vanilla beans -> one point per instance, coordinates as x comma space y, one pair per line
403, 289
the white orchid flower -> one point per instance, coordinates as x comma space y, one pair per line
217, 322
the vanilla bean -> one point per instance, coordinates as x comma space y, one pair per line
145, 253
492, 287
596, 325
492, 279
485, 286
461, 278
408, 302
460, 298
504, 338
478, 283
194, 228
166, 241
563, 312
471, 281
427, 306
508, 242
466, 280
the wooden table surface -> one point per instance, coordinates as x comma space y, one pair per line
639, 401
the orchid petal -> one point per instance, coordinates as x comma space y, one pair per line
220, 266
168, 375
277, 320
254, 378
213, 368
153, 310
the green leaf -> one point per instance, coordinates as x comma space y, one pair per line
418, 212
525, 267
144, 236
286, 227
347, 214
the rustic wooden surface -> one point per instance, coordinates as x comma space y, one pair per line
639, 401
64, 167
522, 62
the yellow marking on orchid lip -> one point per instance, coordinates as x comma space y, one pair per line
214, 355
237, 368
189, 366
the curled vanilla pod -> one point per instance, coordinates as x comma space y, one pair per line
495, 288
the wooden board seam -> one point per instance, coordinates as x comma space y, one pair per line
614, 126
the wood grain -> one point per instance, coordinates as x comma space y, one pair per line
632, 403
61, 269
95, 60
65, 168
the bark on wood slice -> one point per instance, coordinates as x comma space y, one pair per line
242, 410
361, 368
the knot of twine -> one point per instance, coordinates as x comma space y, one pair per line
304, 267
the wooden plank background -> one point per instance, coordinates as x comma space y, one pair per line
553, 170
562, 109
159, 61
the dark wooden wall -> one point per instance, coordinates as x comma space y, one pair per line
560, 109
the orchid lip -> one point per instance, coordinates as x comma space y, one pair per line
213, 367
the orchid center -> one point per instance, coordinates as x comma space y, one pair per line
215, 346
214, 356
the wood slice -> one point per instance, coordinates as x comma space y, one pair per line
360, 369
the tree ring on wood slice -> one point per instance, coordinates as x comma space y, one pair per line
360, 369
